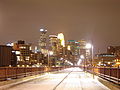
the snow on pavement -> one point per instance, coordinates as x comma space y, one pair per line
68, 79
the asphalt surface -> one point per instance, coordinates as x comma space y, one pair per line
68, 79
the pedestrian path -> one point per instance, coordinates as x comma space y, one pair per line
68, 79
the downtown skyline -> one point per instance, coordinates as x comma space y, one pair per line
96, 21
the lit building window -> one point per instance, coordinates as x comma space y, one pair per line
17, 52
18, 58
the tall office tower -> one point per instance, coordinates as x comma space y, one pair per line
43, 41
82, 47
72, 51
53, 43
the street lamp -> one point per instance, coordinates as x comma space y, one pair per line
90, 46
83, 58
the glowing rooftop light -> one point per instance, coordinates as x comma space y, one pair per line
41, 30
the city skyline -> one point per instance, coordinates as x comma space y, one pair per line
59, 44
96, 21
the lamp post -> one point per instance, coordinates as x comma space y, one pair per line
90, 46
49, 54
83, 58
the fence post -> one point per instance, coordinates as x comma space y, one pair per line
25, 71
16, 72
104, 71
110, 72
5, 73
118, 73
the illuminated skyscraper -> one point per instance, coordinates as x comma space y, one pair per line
53, 43
62, 39
61, 44
72, 51
43, 40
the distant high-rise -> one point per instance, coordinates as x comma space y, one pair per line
43, 40
82, 47
22, 51
53, 43
72, 51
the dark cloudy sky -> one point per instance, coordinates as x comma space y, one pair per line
96, 20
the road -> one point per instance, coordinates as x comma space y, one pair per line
68, 79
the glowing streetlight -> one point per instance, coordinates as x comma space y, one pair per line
83, 59
90, 46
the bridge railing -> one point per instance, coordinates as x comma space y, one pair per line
109, 73
18, 72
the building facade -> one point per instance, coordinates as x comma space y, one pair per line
116, 51
5, 55
42, 45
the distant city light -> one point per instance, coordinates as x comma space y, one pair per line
68, 62
17, 52
51, 52
78, 63
10, 44
68, 48
109, 62
88, 46
41, 30
30, 48
61, 58
82, 57
35, 49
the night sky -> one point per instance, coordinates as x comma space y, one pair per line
93, 20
